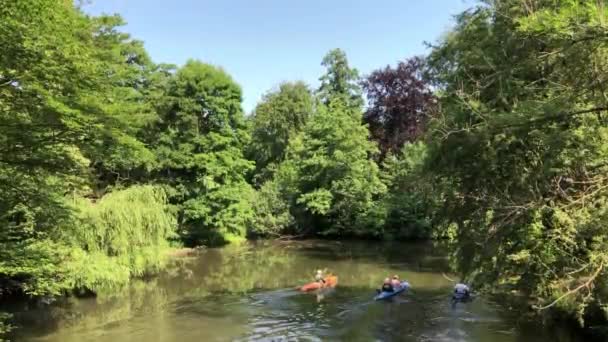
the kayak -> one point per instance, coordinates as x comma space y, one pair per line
462, 297
385, 295
330, 281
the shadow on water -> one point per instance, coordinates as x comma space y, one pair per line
247, 293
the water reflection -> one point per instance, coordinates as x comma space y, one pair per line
247, 293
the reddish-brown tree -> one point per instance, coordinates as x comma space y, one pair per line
400, 103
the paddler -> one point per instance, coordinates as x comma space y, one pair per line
395, 281
461, 292
387, 286
320, 277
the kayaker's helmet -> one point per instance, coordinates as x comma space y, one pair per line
396, 277
319, 272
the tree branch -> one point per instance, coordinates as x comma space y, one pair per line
554, 117
578, 288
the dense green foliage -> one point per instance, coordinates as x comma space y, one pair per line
5, 327
277, 118
68, 98
327, 182
413, 198
125, 234
340, 80
199, 141
501, 147
334, 180
522, 143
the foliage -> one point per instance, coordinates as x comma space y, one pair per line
118, 153
199, 145
336, 182
272, 211
70, 96
278, 117
400, 103
43, 95
340, 80
126, 234
5, 327
522, 143
412, 199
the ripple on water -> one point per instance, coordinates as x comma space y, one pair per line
274, 328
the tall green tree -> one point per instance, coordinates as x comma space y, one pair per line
199, 146
336, 181
339, 80
522, 142
278, 117
133, 81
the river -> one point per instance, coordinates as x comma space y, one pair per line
246, 293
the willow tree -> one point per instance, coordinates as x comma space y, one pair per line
125, 234
199, 145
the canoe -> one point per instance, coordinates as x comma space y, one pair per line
330, 281
385, 295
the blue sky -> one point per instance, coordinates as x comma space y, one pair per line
264, 42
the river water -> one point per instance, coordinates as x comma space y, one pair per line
246, 293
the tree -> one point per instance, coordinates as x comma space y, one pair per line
199, 145
46, 116
119, 155
340, 80
522, 141
64, 96
336, 182
281, 115
400, 103
413, 197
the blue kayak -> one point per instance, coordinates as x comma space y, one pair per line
385, 295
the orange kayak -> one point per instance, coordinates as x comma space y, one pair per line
330, 281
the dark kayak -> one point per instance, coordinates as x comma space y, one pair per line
462, 297
385, 295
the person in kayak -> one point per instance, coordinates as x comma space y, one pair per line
395, 282
461, 291
387, 286
320, 277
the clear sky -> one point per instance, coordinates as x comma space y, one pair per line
264, 42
